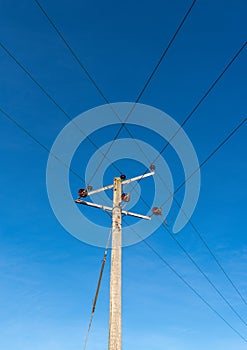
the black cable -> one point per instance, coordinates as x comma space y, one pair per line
150, 77
198, 104
189, 285
104, 155
107, 102
190, 221
204, 96
9, 117
204, 274
189, 256
194, 291
55, 103
157, 65
96, 87
217, 262
211, 253
84, 70
72, 171
209, 157
200, 165
123, 124
44, 147
165, 52
39, 143
72, 52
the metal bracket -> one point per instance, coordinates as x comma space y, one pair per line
125, 182
99, 206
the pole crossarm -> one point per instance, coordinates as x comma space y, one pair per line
104, 207
140, 177
125, 182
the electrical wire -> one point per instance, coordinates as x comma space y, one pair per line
194, 262
201, 271
188, 284
204, 96
229, 64
25, 70
29, 134
207, 158
96, 146
32, 137
168, 265
204, 274
233, 59
217, 262
194, 291
190, 257
89, 76
7, 115
203, 163
123, 124
165, 51
190, 221
95, 84
104, 155
82, 66
149, 78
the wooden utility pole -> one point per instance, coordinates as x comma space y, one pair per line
115, 321
115, 325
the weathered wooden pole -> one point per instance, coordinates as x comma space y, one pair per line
115, 326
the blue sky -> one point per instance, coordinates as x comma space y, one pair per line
48, 278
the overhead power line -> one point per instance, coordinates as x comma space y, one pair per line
156, 253
104, 155
37, 141
194, 291
65, 112
123, 124
229, 64
84, 69
107, 102
152, 73
204, 96
189, 256
100, 91
165, 52
205, 275
216, 149
72, 51
35, 81
211, 253
232, 60
217, 262
231, 134
7, 115
165, 262
190, 221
